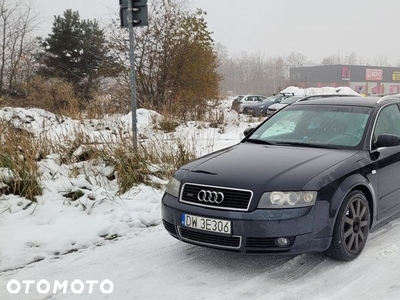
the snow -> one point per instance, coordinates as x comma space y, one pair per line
65, 225
345, 90
106, 235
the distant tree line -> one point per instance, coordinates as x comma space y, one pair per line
258, 73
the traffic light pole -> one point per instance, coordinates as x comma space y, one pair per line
133, 77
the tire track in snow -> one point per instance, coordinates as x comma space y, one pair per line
153, 265
269, 281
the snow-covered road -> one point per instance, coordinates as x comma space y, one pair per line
152, 265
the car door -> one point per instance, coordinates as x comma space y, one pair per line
388, 162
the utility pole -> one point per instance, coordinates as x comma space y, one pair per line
133, 77
133, 13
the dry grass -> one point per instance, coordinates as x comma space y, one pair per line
18, 160
153, 158
53, 95
22, 151
156, 157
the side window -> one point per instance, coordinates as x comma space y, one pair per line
388, 121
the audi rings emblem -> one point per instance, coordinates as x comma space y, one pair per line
210, 196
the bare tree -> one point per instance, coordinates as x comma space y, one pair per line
296, 59
17, 22
363, 62
256, 73
336, 59
351, 59
381, 61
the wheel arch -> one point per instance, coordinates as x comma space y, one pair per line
349, 184
367, 193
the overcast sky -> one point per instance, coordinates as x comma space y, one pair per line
316, 28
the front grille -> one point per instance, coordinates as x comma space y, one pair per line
210, 239
266, 243
170, 228
234, 199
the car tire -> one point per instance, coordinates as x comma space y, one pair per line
351, 228
245, 110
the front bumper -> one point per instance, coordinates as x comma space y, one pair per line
252, 232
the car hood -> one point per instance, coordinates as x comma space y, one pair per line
255, 167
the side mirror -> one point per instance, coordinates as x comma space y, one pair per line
387, 140
248, 131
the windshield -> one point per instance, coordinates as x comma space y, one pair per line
238, 98
322, 126
269, 99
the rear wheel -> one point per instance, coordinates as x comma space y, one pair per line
351, 228
245, 110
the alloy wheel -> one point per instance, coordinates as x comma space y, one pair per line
355, 225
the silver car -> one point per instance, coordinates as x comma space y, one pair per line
247, 101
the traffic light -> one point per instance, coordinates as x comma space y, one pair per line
139, 14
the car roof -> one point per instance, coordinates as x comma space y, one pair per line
340, 100
254, 95
293, 98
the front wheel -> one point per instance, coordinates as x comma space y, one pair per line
351, 228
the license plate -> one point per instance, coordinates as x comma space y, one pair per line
206, 224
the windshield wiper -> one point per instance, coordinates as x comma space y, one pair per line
204, 172
293, 144
297, 144
257, 141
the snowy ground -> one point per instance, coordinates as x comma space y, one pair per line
119, 237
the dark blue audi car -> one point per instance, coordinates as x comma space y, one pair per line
314, 177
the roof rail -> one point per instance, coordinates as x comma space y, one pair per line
388, 97
327, 96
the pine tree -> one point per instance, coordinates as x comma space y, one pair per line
75, 51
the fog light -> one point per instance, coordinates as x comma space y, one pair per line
282, 242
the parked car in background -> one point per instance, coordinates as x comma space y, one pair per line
257, 108
315, 177
277, 106
247, 100
236, 102
260, 110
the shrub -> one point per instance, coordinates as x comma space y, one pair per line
53, 95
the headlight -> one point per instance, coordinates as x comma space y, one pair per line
173, 187
287, 199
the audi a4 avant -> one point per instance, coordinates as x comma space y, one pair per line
314, 177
